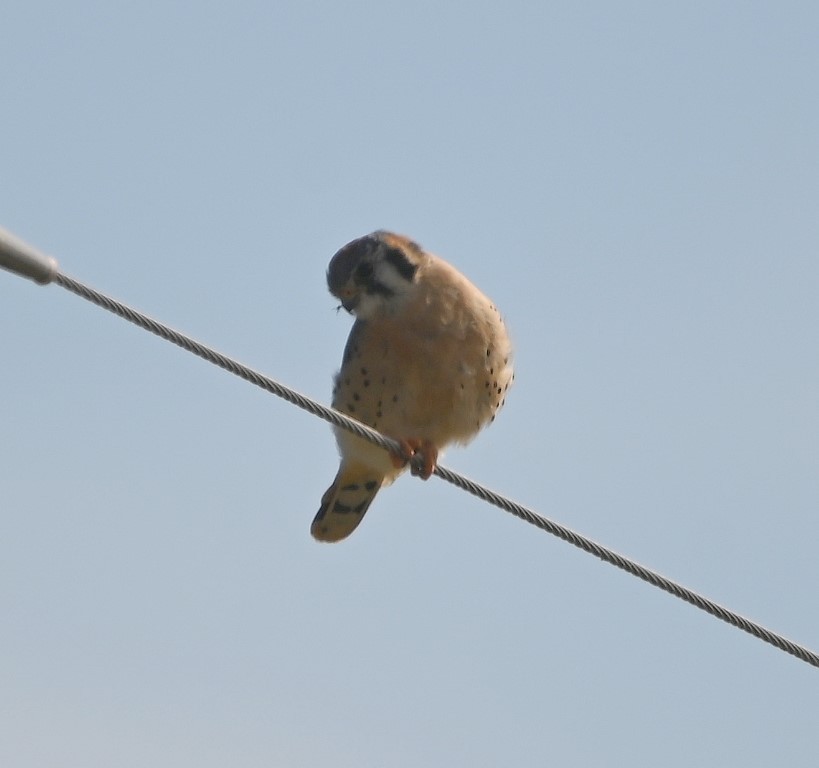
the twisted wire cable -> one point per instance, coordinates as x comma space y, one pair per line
361, 430
19, 257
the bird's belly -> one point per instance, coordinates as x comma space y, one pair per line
442, 392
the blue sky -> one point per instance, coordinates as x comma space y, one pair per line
635, 184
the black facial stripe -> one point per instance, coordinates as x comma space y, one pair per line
373, 287
402, 264
363, 272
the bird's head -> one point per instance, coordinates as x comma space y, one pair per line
370, 273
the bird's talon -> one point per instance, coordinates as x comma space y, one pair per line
424, 460
405, 453
421, 455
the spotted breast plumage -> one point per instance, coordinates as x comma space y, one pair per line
428, 363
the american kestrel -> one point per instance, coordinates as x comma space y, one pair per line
428, 363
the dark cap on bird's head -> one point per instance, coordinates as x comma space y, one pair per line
346, 260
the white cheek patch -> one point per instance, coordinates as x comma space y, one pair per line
387, 287
368, 304
389, 277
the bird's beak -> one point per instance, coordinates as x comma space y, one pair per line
350, 303
349, 298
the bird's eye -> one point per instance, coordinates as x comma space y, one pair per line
363, 271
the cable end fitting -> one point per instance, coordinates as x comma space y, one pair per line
25, 260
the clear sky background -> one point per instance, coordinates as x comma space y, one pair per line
635, 184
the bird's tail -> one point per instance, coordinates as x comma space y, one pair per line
345, 502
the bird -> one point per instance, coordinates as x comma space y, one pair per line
428, 362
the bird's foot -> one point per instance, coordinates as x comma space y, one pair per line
421, 455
